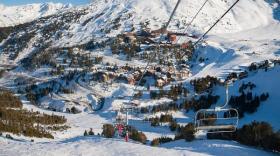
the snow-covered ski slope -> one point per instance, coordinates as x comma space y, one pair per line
88, 146
246, 15
14, 15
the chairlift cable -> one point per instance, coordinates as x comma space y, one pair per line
194, 17
172, 14
202, 37
217, 128
196, 43
190, 23
151, 58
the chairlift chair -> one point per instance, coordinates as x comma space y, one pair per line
217, 120
119, 125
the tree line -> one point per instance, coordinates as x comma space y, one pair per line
14, 119
205, 84
257, 134
247, 102
183, 132
108, 131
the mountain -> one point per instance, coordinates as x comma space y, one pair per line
86, 63
14, 15
105, 19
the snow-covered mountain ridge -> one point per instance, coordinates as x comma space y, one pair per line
14, 15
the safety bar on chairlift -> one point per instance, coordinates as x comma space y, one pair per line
220, 110
218, 130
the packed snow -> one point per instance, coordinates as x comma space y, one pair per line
113, 147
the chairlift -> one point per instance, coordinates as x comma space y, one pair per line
217, 120
121, 123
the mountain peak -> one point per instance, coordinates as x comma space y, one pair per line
14, 15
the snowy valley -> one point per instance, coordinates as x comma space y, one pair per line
74, 74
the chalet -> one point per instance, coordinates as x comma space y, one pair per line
164, 70
185, 45
171, 69
93, 69
104, 78
183, 74
130, 79
100, 76
160, 82
158, 32
126, 79
184, 66
172, 38
161, 79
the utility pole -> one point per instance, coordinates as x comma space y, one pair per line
126, 131
126, 121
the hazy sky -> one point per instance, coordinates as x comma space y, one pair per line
20, 2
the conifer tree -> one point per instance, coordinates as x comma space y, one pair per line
85, 133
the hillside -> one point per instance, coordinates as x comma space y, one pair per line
85, 62
14, 15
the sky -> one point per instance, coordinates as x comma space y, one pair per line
21, 2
